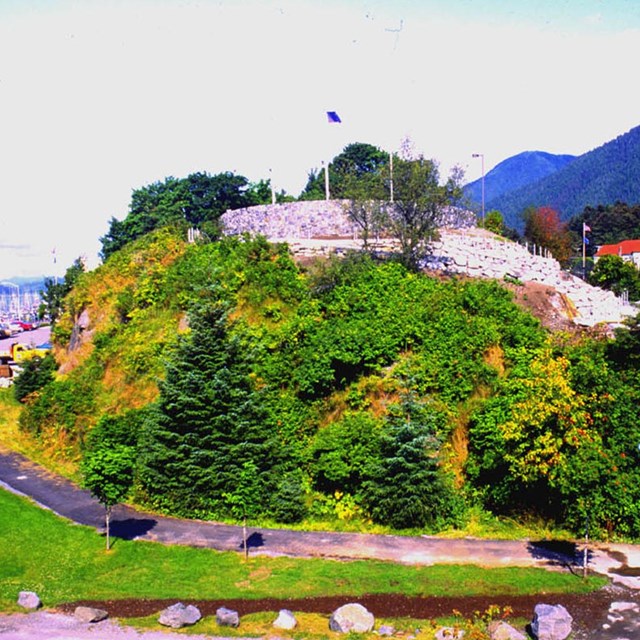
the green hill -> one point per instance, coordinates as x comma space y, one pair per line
345, 393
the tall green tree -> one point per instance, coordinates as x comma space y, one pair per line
197, 201
208, 426
407, 487
350, 172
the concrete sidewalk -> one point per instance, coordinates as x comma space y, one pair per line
22, 476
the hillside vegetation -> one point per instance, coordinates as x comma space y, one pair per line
235, 383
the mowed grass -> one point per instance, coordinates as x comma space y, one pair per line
64, 562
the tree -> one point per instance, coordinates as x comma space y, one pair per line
244, 498
55, 291
209, 423
197, 200
407, 487
365, 206
419, 201
494, 222
355, 164
108, 473
36, 373
544, 228
615, 274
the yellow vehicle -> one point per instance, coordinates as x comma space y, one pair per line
20, 352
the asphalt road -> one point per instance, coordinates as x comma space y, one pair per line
64, 498
21, 476
31, 338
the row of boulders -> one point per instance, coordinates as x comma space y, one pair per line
550, 622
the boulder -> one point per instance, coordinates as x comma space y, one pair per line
179, 615
227, 617
551, 622
89, 614
285, 620
29, 600
501, 630
351, 617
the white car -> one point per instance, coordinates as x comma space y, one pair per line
15, 327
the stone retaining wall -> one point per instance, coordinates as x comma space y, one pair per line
321, 227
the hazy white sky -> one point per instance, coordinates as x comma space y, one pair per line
98, 98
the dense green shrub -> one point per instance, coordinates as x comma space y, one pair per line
36, 373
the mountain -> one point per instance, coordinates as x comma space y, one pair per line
515, 172
605, 175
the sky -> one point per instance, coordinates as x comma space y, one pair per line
99, 98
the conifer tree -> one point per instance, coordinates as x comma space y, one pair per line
208, 424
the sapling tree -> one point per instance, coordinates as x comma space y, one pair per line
108, 474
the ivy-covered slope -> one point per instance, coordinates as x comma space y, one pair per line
239, 384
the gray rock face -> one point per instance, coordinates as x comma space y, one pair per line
285, 620
551, 622
89, 614
227, 617
178, 615
29, 600
500, 630
351, 617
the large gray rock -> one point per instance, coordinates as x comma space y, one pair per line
227, 617
501, 630
89, 614
178, 615
351, 617
29, 600
551, 622
285, 620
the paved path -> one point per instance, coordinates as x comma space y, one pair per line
21, 476
66, 499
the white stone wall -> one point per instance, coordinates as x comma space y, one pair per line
320, 227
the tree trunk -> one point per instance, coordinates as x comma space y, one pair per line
107, 520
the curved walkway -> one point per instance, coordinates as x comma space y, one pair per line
24, 477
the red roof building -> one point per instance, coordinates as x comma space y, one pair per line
628, 250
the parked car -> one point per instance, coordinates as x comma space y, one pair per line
5, 330
27, 326
15, 327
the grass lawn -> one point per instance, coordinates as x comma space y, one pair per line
63, 562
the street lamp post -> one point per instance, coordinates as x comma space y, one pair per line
481, 156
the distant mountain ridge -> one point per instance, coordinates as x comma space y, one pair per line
515, 172
608, 174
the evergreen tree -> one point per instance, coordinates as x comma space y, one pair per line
208, 424
407, 487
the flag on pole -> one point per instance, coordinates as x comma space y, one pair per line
585, 227
332, 116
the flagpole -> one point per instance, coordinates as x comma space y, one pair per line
332, 118
391, 176
326, 180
